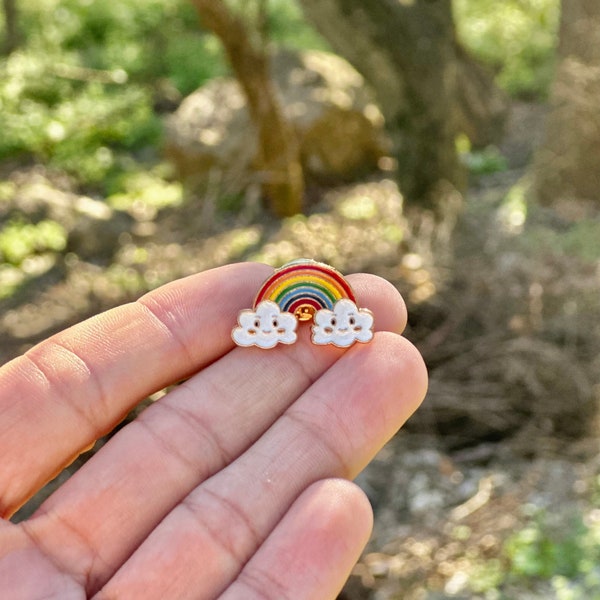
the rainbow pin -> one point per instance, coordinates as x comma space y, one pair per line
304, 290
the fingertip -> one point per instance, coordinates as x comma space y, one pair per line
400, 360
337, 519
312, 551
344, 505
383, 299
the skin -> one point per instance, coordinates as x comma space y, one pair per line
234, 485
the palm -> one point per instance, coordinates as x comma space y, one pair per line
226, 487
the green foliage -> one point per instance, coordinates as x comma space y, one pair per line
583, 240
586, 587
480, 162
132, 36
145, 191
20, 240
580, 239
486, 161
563, 556
79, 94
515, 37
568, 558
533, 552
487, 575
287, 26
282, 22
80, 133
191, 60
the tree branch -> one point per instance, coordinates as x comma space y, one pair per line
279, 158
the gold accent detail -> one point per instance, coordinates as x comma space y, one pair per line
305, 312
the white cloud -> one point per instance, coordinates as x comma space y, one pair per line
265, 327
343, 325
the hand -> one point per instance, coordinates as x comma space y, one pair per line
233, 485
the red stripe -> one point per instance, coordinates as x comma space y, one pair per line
302, 302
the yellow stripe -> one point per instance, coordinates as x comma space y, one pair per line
334, 289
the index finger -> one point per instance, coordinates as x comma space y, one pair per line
71, 389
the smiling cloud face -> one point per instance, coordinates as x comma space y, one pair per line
265, 327
343, 325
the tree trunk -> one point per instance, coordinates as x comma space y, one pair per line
567, 165
482, 106
408, 53
279, 150
11, 26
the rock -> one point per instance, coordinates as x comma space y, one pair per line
93, 228
340, 128
96, 232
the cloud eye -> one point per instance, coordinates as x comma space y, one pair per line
256, 323
333, 321
275, 323
352, 321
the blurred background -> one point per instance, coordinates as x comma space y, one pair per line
452, 147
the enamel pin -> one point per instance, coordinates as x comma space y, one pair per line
301, 291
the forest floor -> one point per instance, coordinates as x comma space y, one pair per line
492, 491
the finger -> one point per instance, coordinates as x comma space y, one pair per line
333, 430
26, 573
184, 438
312, 550
66, 392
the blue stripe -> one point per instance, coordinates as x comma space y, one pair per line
305, 292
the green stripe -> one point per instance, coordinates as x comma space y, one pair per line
323, 289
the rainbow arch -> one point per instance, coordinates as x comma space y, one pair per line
303, 287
